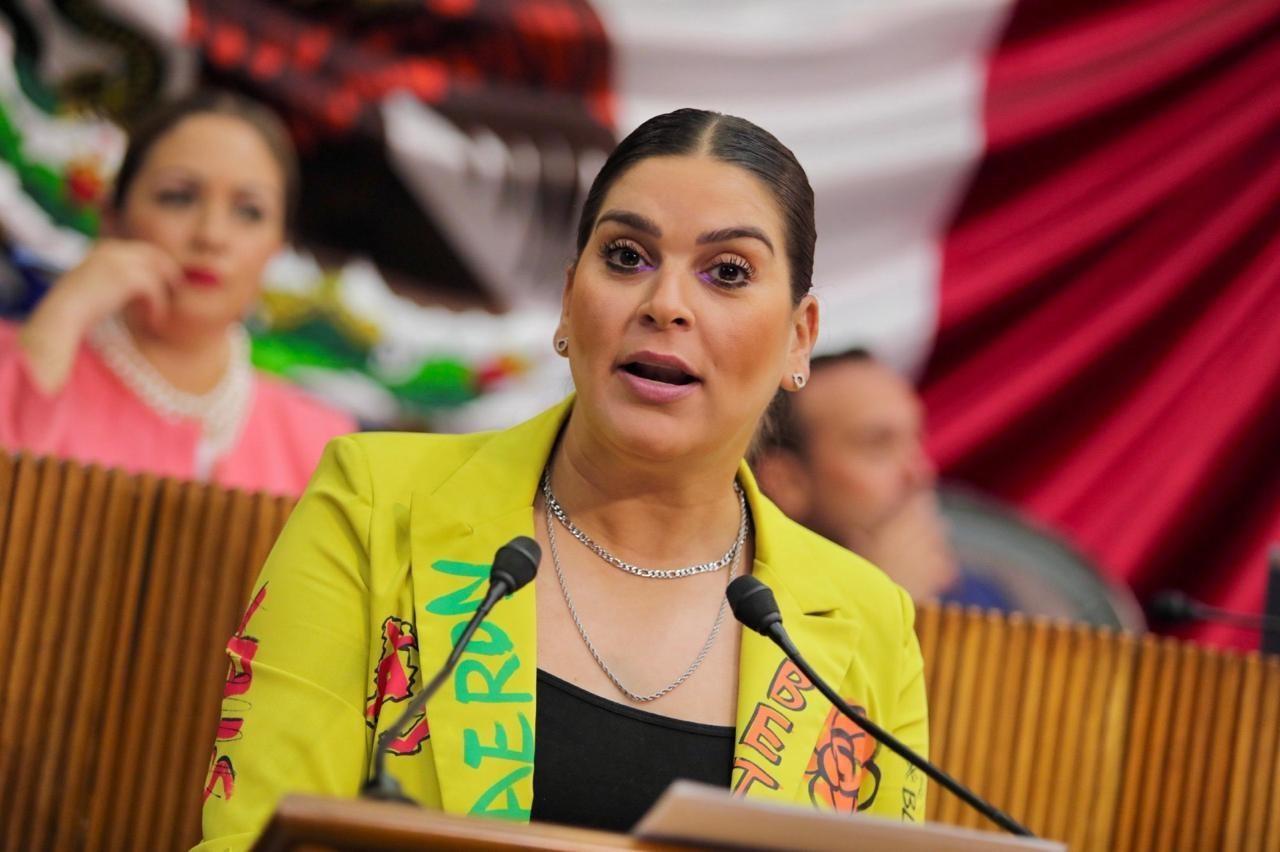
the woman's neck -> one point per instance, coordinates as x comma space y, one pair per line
658, 515
193, 363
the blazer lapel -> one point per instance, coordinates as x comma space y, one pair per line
781, 715
482, 718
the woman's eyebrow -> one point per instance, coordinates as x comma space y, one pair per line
263, 189
634, 220
648, 226
725, 234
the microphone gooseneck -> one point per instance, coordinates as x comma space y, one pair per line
754, 606
1173, 607
514, 566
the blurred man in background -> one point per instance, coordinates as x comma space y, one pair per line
846, 458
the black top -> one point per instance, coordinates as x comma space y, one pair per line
601, 764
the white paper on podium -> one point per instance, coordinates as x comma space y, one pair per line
697, 813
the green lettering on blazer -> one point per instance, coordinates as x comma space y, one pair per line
474, 751
512, 809
493, 683
458, 602
499, 642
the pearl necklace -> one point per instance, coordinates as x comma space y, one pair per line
220, 412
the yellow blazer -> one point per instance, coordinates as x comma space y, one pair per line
384, 559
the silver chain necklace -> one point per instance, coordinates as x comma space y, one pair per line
554, 508
582, 631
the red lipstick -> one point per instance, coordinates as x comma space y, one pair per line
201, 276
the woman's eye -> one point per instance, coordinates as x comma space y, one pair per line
729, 273
250, 213
175, 197
624, 258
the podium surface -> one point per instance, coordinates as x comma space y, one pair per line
315, 824
689, 815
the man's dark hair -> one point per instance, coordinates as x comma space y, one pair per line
781, 428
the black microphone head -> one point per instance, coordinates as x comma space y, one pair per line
516, 563
1170, 605
753, 604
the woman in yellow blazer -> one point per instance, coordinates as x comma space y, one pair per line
686, 309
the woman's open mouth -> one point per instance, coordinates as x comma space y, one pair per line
658, 378
654, 373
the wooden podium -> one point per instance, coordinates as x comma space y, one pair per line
694, 815
317, 824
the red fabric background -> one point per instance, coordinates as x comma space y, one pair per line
1108, 353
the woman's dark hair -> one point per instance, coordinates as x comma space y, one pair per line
156, 124
730, 140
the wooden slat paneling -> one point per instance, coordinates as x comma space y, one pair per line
8, 469
1029, 712
134, 748
984, 722
1271, 840
946, 659
1226, 700
225, 603
1262, 757
1201, 721
928, 626
1104, 801
59, 663
1093, 677
1007, 720
29, 562
969, 664
111, 567
1072, 752
175, 787
1176, 751
1239, 752
1049, 730
157, 697
43, 623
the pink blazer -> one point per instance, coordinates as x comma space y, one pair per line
96, 418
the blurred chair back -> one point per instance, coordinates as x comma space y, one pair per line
118, 593
1035, 569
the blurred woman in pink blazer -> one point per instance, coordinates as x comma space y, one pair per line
137, 358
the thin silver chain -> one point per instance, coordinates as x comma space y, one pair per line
604, 667
554, 508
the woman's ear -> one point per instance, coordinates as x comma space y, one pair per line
562, 327
566, 297
804, 334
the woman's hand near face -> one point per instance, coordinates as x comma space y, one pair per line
114, 274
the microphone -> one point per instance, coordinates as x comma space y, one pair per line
754, 606
1174, 607
514, 566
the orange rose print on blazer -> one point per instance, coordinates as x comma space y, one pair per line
842, 772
